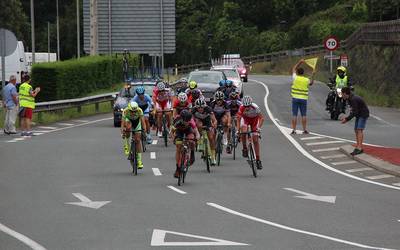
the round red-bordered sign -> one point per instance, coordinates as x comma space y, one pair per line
331, 43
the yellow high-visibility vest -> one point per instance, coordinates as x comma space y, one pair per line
300, 87
25, 98
341, 83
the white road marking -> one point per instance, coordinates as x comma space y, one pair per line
153, 155
11, 141
80, 125
39, 133
51, 128
156, 171
339, 163
333, 156
158, 239
396, 184
380, 119
81, 120
19, 139
64, 124
323, 143
325, 150
176, 190
378, 177
329, 199
86, 202
355, 170
154, 142
311, 138
32, 244
307, 154
291, 228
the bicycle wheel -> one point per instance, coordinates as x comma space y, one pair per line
206, 155
219, 148
252, 160
186, 165
165, 133
144, 142
132, 157
233, 141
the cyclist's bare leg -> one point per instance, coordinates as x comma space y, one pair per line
147, 121
211, 137
138, 142
256, 146
244, 137
178, 153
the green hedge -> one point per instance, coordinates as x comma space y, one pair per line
77, 77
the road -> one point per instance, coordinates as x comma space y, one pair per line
40, 175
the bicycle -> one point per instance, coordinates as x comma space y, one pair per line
234, 138
251, 158
132, 152
219, 145
206, 151
184, 163
144, 141
164, 126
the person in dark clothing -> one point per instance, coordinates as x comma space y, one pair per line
360, 111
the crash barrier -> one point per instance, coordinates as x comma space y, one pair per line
42, 107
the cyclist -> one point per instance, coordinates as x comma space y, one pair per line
222, 114
205, 119
180, 104
133, 120
193, 92
184, 125
195, 95
221, 85
227, 88
234, 104
162, 99
145, 103
250, 114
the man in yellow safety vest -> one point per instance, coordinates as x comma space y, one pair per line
27, 105
299, 94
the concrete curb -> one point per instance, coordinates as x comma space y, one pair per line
372, 162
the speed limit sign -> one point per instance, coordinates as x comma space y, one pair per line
331, 43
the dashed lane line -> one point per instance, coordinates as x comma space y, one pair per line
64, 124
325, 150
325, 157
355, 170
44, 127
323, 143
32, 244
176, 190
80, 120
311, 138
153, 155
154, 142
156, 172
378, 177
284, 227
339, 163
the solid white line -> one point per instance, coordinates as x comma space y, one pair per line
20, 139
339, 163
64, 124
81, 120
311, 138
43, 127
333, 156
323, 143
355, 170
307, 154
176, 190
154, 142
11, 141
380, 119
290, 228
32, 244
325, 150
396, 184
153, 155
378, 177
38, 133
156, 172
80, 125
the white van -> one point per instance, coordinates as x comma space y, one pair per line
16, 63
40, 57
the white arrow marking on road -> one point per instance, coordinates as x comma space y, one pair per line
329, 199
158, 239
86, 202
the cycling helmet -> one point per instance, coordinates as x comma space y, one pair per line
140, 90
196, 93
219, 95
186, 115
161, 86
341, 68
192, 84
247, 101
200, 103
228, 83
234, 94
182, 97
133, 106
222, 83
183, 80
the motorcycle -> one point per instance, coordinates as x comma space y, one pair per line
336, 105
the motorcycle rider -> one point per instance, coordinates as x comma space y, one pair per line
340, 80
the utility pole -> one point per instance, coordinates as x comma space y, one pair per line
48, 41
78, 32
162, 34
58, 34
93, 27
109, 28
33, 31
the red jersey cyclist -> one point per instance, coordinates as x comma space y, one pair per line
180, 104
162, 100
250, 114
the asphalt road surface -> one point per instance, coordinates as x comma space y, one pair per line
50, 183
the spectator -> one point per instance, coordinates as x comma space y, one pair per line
10, 102
300, 95
27, 105
360, 111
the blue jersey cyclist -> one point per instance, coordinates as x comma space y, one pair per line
145, 103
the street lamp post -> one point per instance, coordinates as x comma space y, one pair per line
58, 34
33, 31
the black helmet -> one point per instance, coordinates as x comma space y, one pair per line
186, 115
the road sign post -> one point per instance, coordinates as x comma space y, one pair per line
8, 44
331, 43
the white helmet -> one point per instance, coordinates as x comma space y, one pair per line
161, 86
182, 97
247, 101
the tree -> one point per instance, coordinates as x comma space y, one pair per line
13, 18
